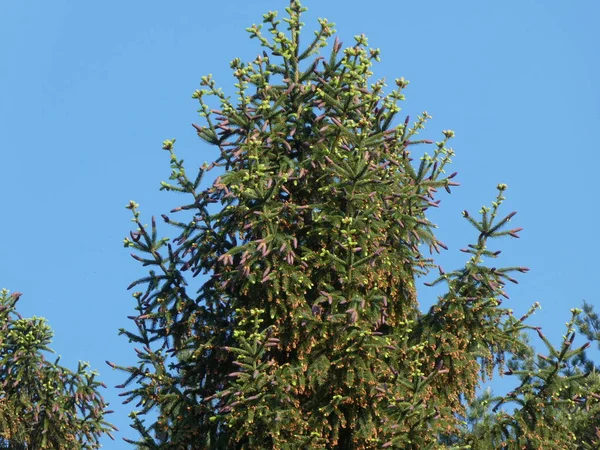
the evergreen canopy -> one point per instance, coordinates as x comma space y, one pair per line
306, 331
44, 405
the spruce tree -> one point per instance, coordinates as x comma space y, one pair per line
306, 331
555, 404
44, 405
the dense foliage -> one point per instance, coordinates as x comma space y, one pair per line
43, 405
306, 331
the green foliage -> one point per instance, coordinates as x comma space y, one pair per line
556, 404
307, 332
42, 404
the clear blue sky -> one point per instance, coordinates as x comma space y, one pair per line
89, 90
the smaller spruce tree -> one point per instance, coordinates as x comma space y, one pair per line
44, 405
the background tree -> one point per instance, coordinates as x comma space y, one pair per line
557, 395
43, 405
587, 422
307, 332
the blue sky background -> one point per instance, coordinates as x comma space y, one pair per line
89, 90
